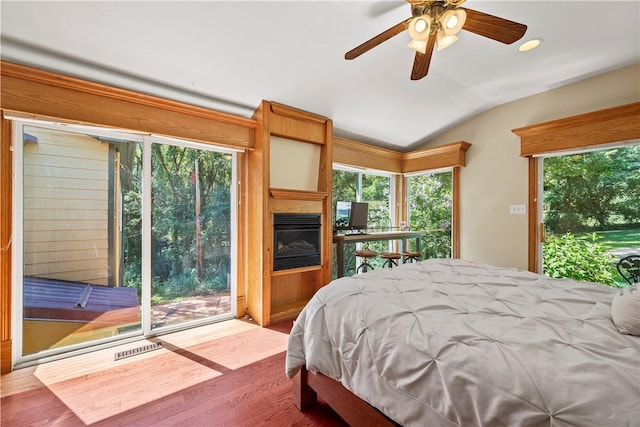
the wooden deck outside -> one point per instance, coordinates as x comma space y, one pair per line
63, 300
59, 313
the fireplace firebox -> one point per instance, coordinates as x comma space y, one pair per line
296, 240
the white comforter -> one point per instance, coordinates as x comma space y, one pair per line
451, 342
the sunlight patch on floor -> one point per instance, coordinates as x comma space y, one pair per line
241, 352
144, 381
187, 358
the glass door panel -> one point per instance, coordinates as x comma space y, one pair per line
80, 252
430, 210
191, 234
345, 189
591, 213
376, 191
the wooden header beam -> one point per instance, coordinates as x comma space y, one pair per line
41, 93
585, 130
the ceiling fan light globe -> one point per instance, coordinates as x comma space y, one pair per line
418, 45
452, 21
420, 27
445, 40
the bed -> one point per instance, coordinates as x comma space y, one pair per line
458, 343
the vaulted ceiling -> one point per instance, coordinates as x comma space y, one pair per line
230, 55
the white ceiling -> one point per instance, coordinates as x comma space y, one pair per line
230, 55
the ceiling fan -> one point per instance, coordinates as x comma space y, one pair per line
439, 21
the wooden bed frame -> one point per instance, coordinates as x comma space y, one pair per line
307, 387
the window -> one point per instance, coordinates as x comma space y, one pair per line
373, 187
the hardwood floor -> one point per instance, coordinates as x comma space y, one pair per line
226, 374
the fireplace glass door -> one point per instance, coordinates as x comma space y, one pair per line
296, 241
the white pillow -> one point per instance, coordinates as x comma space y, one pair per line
625, 310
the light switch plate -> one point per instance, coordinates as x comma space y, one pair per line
517, 209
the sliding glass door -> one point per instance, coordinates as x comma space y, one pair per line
191, 234
120, 235
76, 247
590, 212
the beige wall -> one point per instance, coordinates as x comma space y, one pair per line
496, 176
294, 164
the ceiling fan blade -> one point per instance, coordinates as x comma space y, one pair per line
493, 27
421, 61
382, 37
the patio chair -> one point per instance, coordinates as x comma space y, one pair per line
629, 268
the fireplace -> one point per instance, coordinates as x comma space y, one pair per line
296, 240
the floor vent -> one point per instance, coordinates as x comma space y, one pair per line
139, 350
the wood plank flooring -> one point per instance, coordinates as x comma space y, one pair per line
227, 374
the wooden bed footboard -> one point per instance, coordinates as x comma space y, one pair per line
307, 387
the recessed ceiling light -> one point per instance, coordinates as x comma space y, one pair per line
530, 44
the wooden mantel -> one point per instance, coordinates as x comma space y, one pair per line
281, 193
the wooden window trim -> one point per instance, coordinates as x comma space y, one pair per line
443, 156
584, 130
353, 153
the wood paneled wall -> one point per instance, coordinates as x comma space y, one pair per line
277, 295
296, 124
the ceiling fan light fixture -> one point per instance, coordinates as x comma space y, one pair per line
438, 21
445, 40
418, 46
420, 27
452, 21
